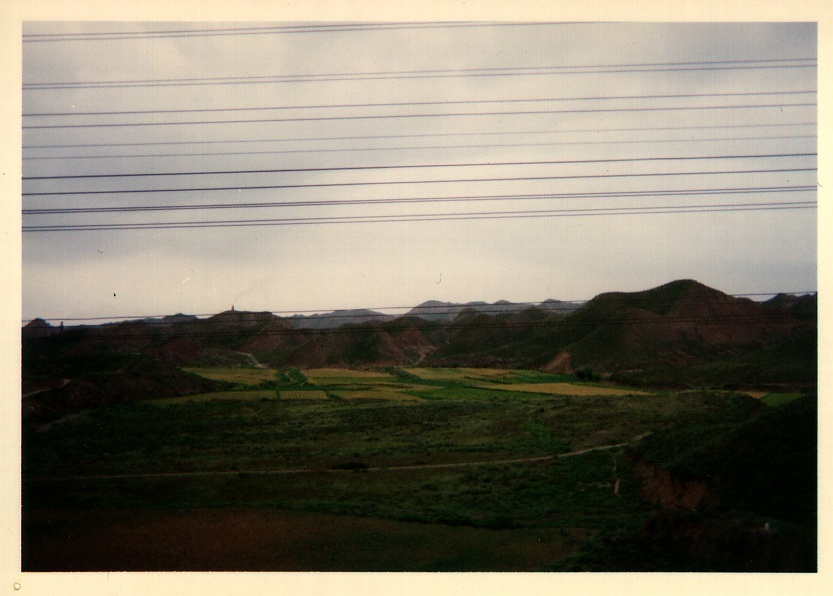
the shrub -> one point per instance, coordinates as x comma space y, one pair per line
587, 374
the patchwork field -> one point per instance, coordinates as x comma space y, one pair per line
329, 469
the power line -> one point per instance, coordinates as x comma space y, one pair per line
416, 148
585, 212
275, 30
650, 67
426, 135
231, 30
422, 103
398, 182
780, 106
406, 200
421, 166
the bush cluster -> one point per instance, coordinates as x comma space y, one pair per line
587, 374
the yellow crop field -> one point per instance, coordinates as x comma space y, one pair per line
294, 394
559, 389
246, 376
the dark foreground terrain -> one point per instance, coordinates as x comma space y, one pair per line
424, 470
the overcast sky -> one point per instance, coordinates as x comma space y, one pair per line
726, 94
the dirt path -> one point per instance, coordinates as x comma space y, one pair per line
602, 448
331, 470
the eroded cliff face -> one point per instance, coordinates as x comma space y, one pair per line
661, 488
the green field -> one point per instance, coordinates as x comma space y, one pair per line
468, 457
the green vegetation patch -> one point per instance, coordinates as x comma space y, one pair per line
779, 399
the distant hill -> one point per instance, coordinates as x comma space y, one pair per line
501, 340
336, 319
171, 319
38, 328
181, 339
680, 326
805, 307
671, 327
403, 340
434, 310
559, 306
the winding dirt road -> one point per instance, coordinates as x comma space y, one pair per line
336, 470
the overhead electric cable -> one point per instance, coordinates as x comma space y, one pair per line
281, 29
425, 135
420, 103
447, 199
649, 67
417, 148
422, 166
607, 211
405, 182
780, 106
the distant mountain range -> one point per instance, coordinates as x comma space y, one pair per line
431, 310
434, 310
336, 319
679, 334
